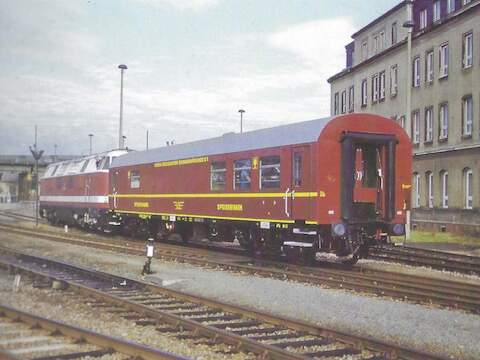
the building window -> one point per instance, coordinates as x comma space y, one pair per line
393, 80
429, 181
416, 127
468, 183
382, 86
401, 121
444, 182
467, 50
416, 190
416, 72
364, 92
344, 101
218, 173
351, 99
270, 172
443, 121
429, 67
242, 174
423, 19
364, 50
467, 115
375, 88
436, 11
429, 124
134, 179
335, 103
443, 62
450, 6
394, 34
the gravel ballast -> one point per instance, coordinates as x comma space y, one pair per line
53, 304
429, 329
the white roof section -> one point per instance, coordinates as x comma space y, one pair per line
291, 134
87, 164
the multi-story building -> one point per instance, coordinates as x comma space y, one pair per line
428, 81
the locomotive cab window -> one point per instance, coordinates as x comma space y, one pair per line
270, 172
134, 179
218, 172
242, 174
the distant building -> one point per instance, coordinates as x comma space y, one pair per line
17, 180
442, 77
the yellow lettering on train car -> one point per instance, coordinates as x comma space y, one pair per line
255, 163
141, 204
199, 160
322, 194
406, 186
178, 205
230, 207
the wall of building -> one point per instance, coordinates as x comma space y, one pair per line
384, 25
457, 152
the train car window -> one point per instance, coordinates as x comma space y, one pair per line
103, 163
297, 169
370, 161
270, 172
242, 174
218, 172
134, 179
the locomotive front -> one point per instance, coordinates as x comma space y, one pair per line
364, 169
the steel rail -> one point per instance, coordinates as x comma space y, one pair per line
125, 298
108, 343
421, 289
423, 257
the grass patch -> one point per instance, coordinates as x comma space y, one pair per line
439, 237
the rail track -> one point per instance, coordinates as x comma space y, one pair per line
205, 321
434, 259
423, 257
419, 289
27, 336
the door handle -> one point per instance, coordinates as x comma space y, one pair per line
285, 198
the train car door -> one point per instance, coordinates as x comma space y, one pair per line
300, 183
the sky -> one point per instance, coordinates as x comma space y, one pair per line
192, 64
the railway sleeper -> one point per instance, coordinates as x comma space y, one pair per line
299, 343
256, 330
334, 352
236, 325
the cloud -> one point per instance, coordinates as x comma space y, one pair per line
180, 4
73, 89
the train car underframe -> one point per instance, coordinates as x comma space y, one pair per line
89, 218
296, 242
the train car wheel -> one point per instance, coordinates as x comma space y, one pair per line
185, 230
244, 238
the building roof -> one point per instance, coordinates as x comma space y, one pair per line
381, 17
297, 133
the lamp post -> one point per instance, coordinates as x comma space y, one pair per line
241, 111
147, 139
91, 137
409, 24
121, 144
37, 154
